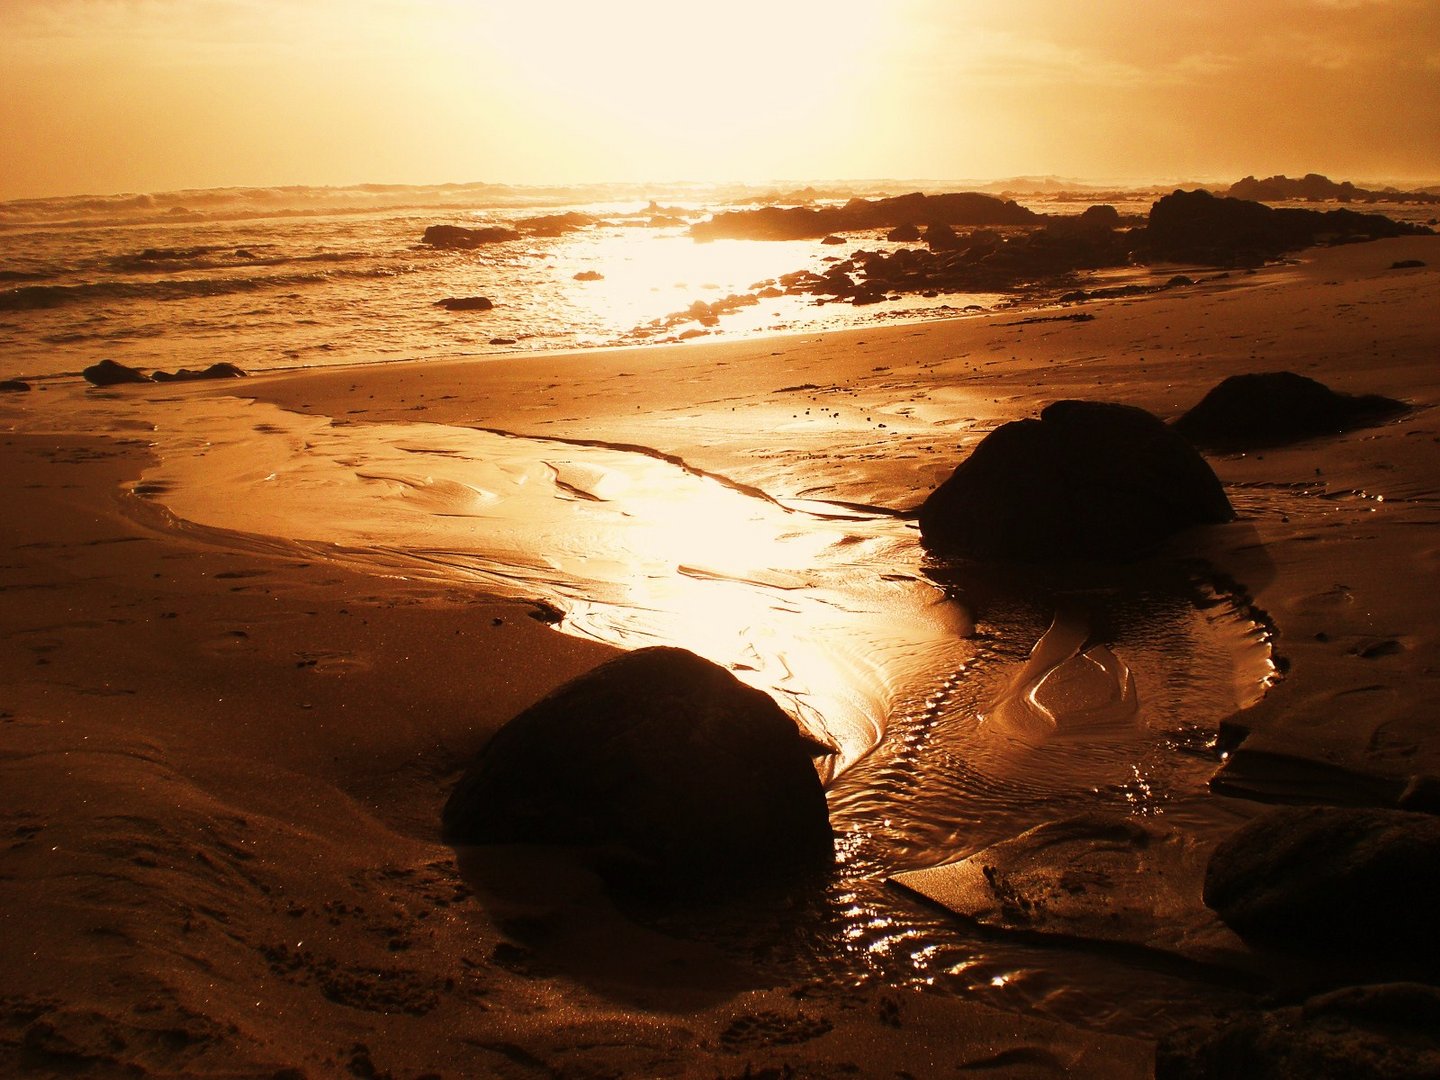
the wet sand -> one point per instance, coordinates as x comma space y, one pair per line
223, 766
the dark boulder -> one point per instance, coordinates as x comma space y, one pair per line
14, 386
941, 237
1086, 481
109, 373
664, 764
1200, 227
1407, 264
1332, 880
465, 303
1384, 1032
908, 233
1101, 218
455, 236
1277, 407
222, 370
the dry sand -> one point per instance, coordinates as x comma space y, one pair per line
223, 768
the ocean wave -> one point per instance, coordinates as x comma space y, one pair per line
38, 297
216, 257
24, 275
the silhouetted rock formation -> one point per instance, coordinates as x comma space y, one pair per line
221, 370
1316, 188
465, 303
806, 223
109, 373
1278, 407
14, 386
1333, 881
1087, 481
660, 761
1384, 1032
556, 224
455, 236
1196, 226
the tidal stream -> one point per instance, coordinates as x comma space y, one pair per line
963, 709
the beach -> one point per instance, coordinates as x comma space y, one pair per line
227, 748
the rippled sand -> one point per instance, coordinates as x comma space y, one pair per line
253, 644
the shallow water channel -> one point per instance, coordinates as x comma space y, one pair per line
964, 707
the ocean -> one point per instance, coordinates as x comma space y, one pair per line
304, 277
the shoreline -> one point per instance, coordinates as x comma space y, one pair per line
294, 862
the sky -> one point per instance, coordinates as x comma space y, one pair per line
110, 96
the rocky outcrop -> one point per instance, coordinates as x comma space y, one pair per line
661, 764
465, 303
458, 237
808, 223
222, 370
1278, 407
1196, 226
1086, 481
1332, 880
557, 224
589, 275
14, 386
109, 373
1383, 1032
1313, 187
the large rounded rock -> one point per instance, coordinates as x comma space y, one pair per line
1332, 879
665, 764
1277, 407
1087, 481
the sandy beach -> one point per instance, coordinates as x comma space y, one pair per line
225, 755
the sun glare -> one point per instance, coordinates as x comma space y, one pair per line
697, 78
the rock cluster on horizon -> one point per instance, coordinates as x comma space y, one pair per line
1196, 226
1313, 187
811, 223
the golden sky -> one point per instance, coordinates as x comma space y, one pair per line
105, 96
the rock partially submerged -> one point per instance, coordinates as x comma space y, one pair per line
1278, 407
14, 386
459, 237
1333, 880
1383, 1032
665, 765
222, 370
465, 303
109, 373
1086, 481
